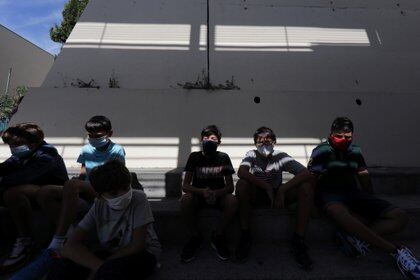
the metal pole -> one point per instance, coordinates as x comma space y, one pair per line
8, 81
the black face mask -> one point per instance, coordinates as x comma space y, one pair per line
209, 147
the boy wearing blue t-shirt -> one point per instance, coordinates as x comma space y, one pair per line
99, 150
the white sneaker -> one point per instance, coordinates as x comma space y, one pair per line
20, 254
360, 246
407, 263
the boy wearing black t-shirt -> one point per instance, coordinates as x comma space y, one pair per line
208, 183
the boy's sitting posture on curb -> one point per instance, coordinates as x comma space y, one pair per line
260, 183
208, 183
123, 222
337, 163
33, 166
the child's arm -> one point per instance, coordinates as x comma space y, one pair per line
228, 188
365, 181
30, 172
244, 174
137, 244
76, 251
188, 188
83, 173
303, 177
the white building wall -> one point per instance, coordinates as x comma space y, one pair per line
307, 61
30, 64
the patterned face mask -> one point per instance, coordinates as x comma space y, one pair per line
265, 150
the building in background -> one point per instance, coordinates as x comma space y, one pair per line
29, 63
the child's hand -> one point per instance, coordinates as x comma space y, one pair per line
206, 193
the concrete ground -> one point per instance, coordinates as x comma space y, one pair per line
273, 261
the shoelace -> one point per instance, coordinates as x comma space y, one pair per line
18, 247
360, 245
406, 259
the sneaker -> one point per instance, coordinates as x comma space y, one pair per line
218, 243
190, 248
351, 245
244, 245
38, 268
300, 254
21, 253
407, 263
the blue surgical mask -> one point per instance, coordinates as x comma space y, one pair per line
99, 142
20, 151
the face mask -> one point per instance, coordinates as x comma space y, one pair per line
209, 147
121, 202
265, 150
98, 142
20, 151
340, 144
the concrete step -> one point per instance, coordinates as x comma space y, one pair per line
269, 224
272, 260
159, 182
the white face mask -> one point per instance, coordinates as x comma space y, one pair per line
265, 150
121, 202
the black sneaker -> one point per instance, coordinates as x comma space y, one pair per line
244, 245
190, 248
218, 243
300, 254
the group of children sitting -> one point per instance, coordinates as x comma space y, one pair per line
120, 217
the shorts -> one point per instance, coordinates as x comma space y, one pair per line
358, 202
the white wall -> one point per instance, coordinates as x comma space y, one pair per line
159, 127
308, 61
29, 63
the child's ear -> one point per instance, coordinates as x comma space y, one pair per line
110, 133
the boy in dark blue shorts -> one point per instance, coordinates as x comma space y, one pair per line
338, 164
208, 183
34, 165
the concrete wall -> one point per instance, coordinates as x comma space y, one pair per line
30, 64
307, 61
159, 128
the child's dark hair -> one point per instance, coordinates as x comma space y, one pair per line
342, 124
29, 131
109, 177
211, 130
264, 130
98, 123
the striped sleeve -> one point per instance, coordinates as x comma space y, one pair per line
249, 159
291, 165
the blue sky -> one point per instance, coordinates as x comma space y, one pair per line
32, 19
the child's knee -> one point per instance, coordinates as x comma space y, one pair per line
231, 202
400, 216
47, 193
306, 191
242, 189
336, 210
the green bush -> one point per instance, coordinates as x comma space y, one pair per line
10, 102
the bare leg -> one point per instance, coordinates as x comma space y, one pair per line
230, 205
392, 222
352, 225
49, 198
17, 200
188, 210
71, 191
304, 194
243, 194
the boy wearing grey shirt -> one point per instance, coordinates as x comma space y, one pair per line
123, 223
260, 184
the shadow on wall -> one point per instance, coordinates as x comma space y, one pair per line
263, 45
